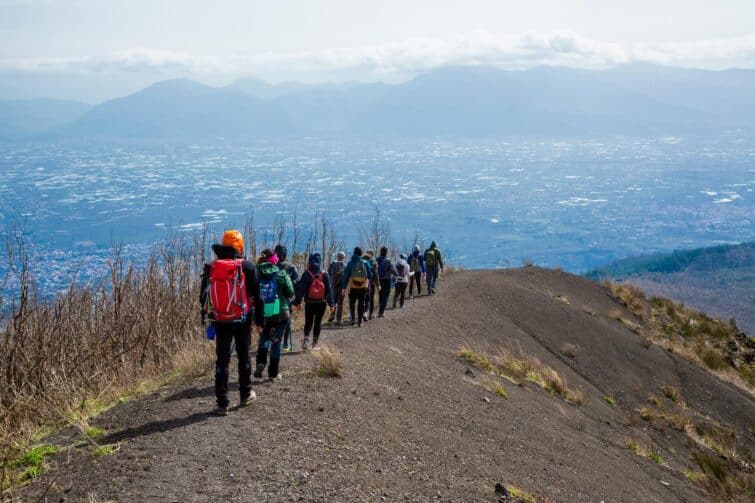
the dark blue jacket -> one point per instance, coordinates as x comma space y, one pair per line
416, 255
314, 267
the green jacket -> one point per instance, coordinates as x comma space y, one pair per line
285, 287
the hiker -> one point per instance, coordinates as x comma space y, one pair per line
433, 265
403, 277
315, 288
275, 291
357, 277
387, 274
417, 268
335, 271
374, 284
281, 251
227, 278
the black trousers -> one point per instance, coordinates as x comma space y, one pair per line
399, 293
415, 278
225, 334
385, 293
313, 313
357, 298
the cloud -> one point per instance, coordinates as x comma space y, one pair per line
396, 60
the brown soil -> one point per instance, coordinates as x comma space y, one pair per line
408, 422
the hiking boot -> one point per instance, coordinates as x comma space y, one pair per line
381, 315
315, 347
276, 377
286, 349
258, 371
220, 411
359, 325
247, 400
305, 344
339, 323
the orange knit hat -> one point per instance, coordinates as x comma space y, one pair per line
235, 239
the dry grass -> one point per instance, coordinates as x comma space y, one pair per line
494, 386
520, 368
520, 495
721, 479
329, 364
717, 346
65, 359
643, 451
670, 392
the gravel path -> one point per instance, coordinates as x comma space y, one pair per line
408, 421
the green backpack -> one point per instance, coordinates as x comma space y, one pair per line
358, 278
431, 258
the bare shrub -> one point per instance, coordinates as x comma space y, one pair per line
329, 364
95, 340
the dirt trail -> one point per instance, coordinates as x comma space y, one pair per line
407, 423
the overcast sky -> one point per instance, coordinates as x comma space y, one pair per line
355, 39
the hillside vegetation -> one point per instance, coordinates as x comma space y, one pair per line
527, 384
718, 280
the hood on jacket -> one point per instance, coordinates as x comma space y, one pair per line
222, 251
269, 269
433, 245
356, 258
314, 263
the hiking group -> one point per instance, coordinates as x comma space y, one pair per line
238, 296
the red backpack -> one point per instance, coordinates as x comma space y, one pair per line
227, 291
316, 288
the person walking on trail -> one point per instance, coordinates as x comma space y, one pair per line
230, 297
316, 290
275, 291
281, 251
335, 271
356, 278
387, 274
433, 266
402, 280
417, 268
374, 285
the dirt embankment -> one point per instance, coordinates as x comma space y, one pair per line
410, 420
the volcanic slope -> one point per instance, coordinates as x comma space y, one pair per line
525, 377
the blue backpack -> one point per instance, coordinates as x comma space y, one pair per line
269, 294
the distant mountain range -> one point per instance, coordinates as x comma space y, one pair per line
28, 117
635, 99
719, 280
